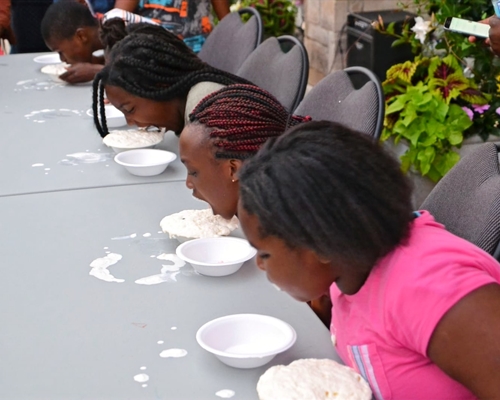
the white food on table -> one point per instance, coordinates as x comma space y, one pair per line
130, 139
197, 224
312, 379
55, 69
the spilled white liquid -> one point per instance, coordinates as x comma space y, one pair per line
225, 393
174, 353
174, 328
85, 158
160, 342
133, 235
34, 84
147, 235
37, 165
99, 267
44, 115
168, 273
144, 385
141, 378
142, 368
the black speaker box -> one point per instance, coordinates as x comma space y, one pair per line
369, 48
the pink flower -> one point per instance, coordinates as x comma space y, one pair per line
469, 112
498, 110
480, 109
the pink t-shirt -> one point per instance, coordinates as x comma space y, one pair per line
383, 330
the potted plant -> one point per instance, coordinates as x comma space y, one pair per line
447, 94
278, 16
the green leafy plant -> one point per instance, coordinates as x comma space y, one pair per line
278, 16
448, 93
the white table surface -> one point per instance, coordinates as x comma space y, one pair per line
41, 122
68, 335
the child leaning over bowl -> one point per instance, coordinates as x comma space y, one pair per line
153, 77
69, 28
226, 128
415, 308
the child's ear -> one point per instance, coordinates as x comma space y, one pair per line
235, 166
81, 35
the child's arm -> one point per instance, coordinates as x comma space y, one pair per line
322, 307
81, 72
466, 342
127, 5
221, 8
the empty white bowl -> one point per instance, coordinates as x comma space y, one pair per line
246, 340
114, 117
218, 256
145, 162
52, 58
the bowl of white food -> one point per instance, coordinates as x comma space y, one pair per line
246, 340
145, 162
114, 117
219, 256
197, 224
123, 140
55, 70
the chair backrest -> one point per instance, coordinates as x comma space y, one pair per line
334, 98
232, 40
467, 199
282, 73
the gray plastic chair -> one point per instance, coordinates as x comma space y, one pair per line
280, 66
335, 98
467, 199
232, 40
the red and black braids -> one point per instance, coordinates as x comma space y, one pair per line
244, 118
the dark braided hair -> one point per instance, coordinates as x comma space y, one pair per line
324, 187
244, 117
152, 63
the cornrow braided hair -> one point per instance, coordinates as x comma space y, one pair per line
152, 63
244, 118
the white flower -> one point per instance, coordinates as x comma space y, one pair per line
421, 29
469, 67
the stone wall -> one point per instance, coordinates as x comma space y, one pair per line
323, 23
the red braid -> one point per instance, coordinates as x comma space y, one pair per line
244, 118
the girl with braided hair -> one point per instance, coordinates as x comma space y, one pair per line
415, 308
226, 128
153, 78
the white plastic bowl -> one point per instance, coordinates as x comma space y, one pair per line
55, 70
114, 117
145, 162
132, 139
52, 58
246, 340
218, 256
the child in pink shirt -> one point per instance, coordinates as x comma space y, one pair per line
383, 330
416, 310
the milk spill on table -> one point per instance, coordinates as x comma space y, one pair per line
174, 353
225, 393
141, 378
168, 273
99, 267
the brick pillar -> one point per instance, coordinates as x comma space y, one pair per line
323, 22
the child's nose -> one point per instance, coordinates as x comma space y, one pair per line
189, 184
